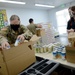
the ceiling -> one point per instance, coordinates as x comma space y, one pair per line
31, 3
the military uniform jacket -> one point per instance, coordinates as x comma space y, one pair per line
32, 28
8, 34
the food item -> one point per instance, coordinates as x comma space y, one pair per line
17, 42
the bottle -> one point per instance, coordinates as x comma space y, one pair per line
63, 53
55, 54
17, 42
59, 52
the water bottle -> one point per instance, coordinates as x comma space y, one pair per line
55, 54
17, 42
63, 53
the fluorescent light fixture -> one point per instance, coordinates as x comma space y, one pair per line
14, 2
41, 5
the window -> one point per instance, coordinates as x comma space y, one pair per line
62, 19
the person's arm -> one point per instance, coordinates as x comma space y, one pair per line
39, 26
69, 27
3, 35
27, 34
70, 30
3, 40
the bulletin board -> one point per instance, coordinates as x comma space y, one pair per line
3, 18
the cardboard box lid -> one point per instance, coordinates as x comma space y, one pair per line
35, 38
70, 48
71, 35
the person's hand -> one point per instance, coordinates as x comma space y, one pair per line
72, 30
5, 45
21, 38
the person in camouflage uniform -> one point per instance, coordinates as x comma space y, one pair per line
32, 27
15, 30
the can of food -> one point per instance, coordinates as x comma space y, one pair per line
59, 52
63, 55
37, 50
41, 50
44, 49
55, 54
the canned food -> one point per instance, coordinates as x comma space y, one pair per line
63, 55
54, 54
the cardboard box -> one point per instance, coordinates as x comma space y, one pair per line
16, 51
73, 43
71, 38
1, 57
21, 61
40, 32
3, 69
34, 39
20, 57
70, 54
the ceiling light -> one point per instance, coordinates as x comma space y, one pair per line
15, 2
41, 5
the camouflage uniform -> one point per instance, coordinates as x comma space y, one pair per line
8, 34
32, 28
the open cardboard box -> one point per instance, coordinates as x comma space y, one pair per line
70, 54
1, 57
20, 57
3, 69
40, 31
71, 38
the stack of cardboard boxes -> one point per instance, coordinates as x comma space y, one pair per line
70, 50
16, 59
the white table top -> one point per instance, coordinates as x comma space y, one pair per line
50, 56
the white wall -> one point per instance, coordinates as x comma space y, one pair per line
24, 14
52, 13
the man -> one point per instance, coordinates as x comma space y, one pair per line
15, 30
71, 22
32, 27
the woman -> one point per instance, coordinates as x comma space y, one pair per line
71, 22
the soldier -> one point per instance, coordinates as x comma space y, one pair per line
15, 30
32, 27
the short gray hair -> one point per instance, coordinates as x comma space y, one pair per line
13, 17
